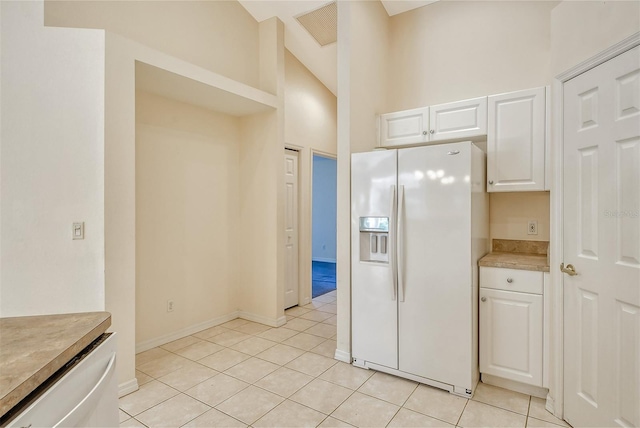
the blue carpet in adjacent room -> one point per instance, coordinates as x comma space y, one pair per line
323, 278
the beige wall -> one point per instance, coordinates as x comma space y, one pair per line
371, 53
310, 127
262, 191
187, 215
581, 29
220, 36
454, 50
52, 165
362, 81
310, 109
509, 214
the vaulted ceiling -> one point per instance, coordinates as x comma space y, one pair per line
320, 60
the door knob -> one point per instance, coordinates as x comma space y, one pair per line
569, 270
509, 280
484, 299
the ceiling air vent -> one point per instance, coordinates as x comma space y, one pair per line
322, 23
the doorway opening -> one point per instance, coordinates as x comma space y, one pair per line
323, 239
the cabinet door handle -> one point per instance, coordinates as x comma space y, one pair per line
509, 280
424, 132
432, 131
490, 181
484, 299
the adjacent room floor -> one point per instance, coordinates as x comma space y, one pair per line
247, 374
323, 278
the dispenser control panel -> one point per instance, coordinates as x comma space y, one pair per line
374, 239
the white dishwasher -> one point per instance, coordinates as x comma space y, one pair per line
84, 393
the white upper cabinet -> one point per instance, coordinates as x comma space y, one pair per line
404, 127
516, 141
461, 119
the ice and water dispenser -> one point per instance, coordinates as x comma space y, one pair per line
374, 239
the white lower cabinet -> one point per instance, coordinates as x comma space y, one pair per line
511, 326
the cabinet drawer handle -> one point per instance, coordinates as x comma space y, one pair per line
484, 299
509, 280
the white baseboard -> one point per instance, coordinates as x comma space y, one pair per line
262, 319
512, 385
322, 259
158, 341
343, 356
152, 343
127, 387
550, 405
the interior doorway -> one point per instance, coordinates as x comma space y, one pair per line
291, 228
323, 239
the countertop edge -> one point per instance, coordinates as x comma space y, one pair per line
30, 384
507, 265
518, 261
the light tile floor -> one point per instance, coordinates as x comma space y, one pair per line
244, 374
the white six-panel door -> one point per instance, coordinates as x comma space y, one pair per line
291, 228
602, 242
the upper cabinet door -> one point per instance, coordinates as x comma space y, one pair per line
516, 141
404, 128
461, 119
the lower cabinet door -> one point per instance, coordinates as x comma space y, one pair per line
511, 335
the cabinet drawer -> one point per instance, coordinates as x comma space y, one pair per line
523, 281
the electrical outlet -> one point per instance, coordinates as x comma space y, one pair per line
169, 305
532, 228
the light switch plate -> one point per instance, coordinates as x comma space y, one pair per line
77, 231
532, 228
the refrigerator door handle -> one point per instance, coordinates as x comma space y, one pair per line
400, 244
392, 242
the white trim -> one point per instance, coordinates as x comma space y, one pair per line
555, 399
128, 387
343, 356
271, 322
547, 138
600, 58
322, 259
152, 343
556, 378
512, 385
322, 154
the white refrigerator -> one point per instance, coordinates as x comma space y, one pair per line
419, 225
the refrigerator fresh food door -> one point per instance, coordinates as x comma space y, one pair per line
374, 300
434, 268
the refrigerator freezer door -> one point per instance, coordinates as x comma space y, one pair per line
435, 315
374, 302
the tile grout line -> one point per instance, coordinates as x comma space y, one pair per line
223, 372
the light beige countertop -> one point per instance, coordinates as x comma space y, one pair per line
513, 254
33, 348
522, 261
